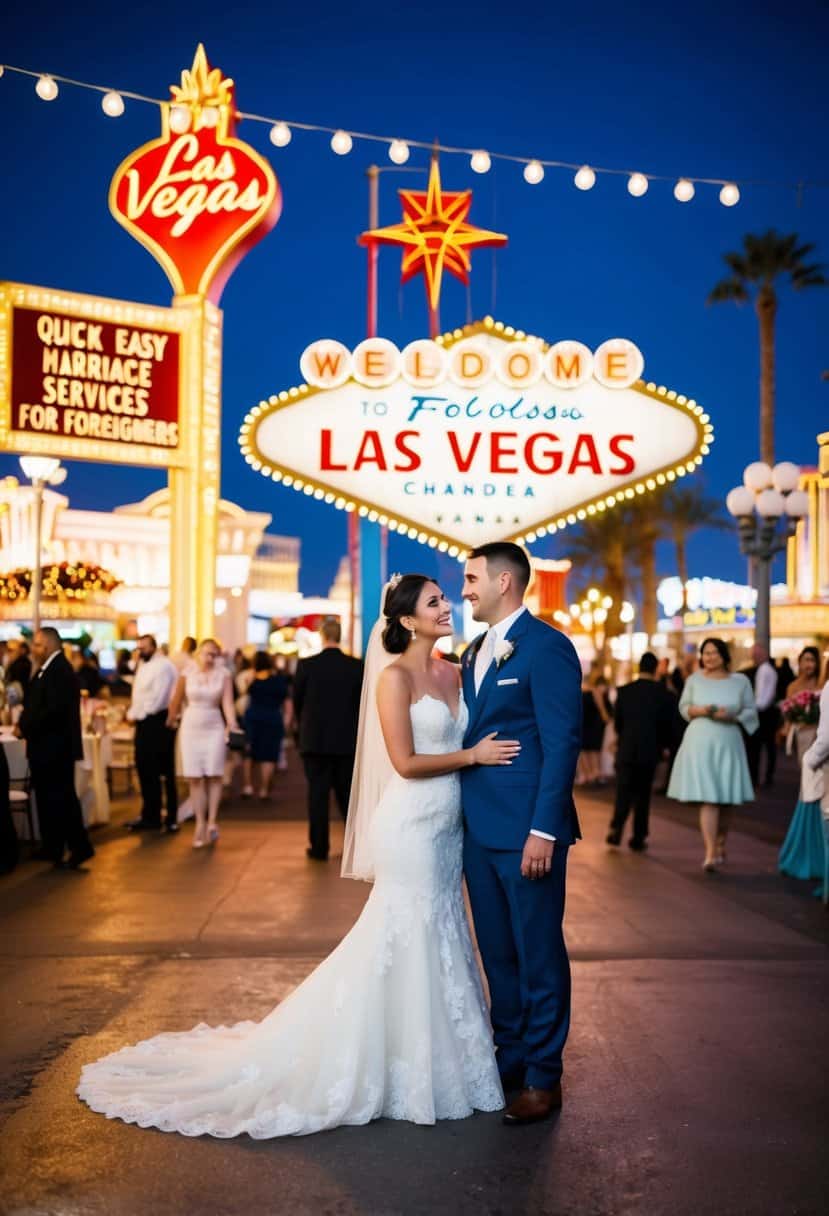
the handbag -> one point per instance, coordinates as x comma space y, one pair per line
237, 740
812, 781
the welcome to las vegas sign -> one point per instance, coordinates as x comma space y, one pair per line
483, 434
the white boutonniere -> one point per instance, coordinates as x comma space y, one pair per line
503, 651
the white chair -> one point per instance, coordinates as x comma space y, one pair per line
20, 786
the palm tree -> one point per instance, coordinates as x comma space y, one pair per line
686, 508
647, 526
600, 547
754, 273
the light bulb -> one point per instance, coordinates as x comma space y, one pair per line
210, 117
585, 179
684, 190
280, 135
112, 104
179, 119
740, 502
771, 504
46, 88
479, 162
398, 151
729, 195
797, 504
341, 143
637, 185
534, 172
39, 468
785, 476
758, 476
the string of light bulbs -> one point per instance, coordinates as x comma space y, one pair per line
47, 87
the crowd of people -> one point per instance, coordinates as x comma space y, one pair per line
717, 733
199, 714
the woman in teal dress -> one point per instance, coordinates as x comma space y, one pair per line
802, 852
711, 767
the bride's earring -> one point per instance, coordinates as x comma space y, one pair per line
414, 635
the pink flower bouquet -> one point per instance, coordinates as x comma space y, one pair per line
803, 709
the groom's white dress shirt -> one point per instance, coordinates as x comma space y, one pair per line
483, 659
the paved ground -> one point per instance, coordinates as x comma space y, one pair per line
695, 1070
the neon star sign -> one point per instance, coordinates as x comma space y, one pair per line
435, 235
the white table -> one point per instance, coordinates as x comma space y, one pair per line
90, 774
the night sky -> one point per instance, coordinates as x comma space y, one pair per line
702, 89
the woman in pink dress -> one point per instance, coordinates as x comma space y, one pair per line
206, 690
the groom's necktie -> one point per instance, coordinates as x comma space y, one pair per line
484, 658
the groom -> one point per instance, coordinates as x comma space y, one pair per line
522, 679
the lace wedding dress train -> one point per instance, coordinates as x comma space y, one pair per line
392, 1023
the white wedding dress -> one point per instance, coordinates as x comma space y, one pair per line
393, 1023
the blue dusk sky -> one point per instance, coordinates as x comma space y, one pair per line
722, 90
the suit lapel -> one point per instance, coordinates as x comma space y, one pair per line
516, 630
468, 671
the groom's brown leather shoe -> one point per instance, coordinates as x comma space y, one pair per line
532, 1105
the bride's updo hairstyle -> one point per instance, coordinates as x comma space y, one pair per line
401, 600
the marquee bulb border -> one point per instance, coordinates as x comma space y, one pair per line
443, 542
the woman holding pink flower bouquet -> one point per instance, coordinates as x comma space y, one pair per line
802, 852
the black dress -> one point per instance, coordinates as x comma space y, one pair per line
264, 725
592, 724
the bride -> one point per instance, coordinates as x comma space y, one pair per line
393, 1022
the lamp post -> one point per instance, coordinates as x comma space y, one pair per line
41, 471
767, 496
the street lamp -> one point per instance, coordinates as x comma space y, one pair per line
41, 471
766, 496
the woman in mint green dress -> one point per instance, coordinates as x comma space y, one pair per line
711, 767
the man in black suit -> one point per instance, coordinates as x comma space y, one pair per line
643, 717
326, 711
763, 677
51, 725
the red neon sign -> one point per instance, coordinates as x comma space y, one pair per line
197, 198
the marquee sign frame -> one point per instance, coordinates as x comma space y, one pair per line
443, 540
111, 312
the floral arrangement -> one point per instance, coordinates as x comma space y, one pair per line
73, 580
803, 709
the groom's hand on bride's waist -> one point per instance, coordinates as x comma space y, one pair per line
537, 858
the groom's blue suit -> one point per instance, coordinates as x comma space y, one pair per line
533, 696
